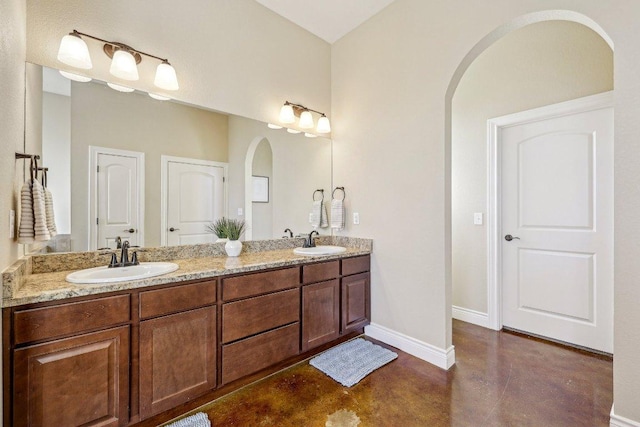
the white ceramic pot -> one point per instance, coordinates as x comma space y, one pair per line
233, 247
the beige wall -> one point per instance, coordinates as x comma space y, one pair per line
538, 65
56, 151
392, 81
12, 70
102, 117
262, 223
232, 56
300, 165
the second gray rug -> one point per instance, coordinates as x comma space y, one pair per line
350, 362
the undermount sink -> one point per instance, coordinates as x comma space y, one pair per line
100, 275
320, 250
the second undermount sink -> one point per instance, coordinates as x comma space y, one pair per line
100, 275
320, 250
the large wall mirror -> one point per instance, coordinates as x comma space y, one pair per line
157, 172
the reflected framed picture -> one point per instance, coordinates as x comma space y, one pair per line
260, 189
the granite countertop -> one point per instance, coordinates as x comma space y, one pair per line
33, 287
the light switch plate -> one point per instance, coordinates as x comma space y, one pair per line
12, 224
356, 218
477, 218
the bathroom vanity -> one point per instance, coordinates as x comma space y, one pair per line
114, 358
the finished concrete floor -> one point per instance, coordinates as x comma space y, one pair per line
499, 379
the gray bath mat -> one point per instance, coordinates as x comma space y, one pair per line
198, 420
350, 362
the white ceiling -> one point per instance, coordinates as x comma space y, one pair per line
327, 19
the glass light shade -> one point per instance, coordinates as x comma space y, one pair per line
166, 77
286, 114
75, 77
159, 97
292, 130
74, 51
120, 88
123, 66
310, 135
323, 125
306, 120
272, 126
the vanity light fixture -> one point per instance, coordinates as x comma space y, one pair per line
290, 111
74, 52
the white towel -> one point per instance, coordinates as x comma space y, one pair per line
39, 213
48, 207
319, 215
198, 420
337, 214
26, 230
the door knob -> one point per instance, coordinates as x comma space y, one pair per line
509, 237
130, 230
174, 229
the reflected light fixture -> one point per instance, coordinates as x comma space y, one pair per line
310, 135
290, 111
75, 77
74, 52
272, 126
159, 97
120, 88
293, 131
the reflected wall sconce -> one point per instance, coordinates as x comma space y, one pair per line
74, 52
290, 111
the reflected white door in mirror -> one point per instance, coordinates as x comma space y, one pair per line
193, 196
116, 197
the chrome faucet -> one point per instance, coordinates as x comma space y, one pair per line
309, 242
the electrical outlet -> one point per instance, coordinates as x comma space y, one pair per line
310, 218
240, 212
356, 218
12, 224
477, 218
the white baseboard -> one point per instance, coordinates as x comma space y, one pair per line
435, 355
618, 421
470, 316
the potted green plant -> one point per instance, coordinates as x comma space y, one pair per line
219, 228
233, 229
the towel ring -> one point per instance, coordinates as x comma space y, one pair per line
321, 193
344, 193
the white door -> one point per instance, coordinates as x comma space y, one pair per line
557, 203
118, 195
194, 199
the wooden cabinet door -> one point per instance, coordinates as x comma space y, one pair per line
356, 302
320, 313
177, 359
83, 380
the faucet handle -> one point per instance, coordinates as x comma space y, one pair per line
114, 260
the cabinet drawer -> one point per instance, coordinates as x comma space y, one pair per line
252, 354
254, 315
179, 298
321, 271
66, 319
259, 283
356, 265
